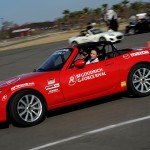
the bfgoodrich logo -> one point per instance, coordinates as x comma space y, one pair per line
72, 80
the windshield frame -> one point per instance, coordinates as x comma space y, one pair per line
93, 31
55, 61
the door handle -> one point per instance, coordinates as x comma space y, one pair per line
108, 64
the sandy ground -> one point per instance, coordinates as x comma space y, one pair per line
50, 38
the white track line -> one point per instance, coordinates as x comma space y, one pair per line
91, 132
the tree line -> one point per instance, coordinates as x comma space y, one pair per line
79, 19
124, 10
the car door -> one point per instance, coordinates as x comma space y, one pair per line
93, 38
94, 79
84, 39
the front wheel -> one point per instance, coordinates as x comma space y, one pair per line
101, 39
139, 80
27, 108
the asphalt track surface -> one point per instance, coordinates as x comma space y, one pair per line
118, 122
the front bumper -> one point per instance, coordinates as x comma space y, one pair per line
3, 107
3, 114
116, 39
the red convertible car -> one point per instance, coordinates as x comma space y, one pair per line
65, 79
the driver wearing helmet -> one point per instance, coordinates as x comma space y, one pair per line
83, 55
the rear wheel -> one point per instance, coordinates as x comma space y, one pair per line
27, 108
74, 43
139, 80
132, 31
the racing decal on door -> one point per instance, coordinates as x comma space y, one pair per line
72, 80
85, 76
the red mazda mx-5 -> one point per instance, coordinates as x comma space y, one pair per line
65, 79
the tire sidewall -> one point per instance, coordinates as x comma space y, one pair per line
131, 88
102, 39
13, 113
74, 43
132, 31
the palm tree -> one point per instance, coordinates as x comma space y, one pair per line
117, 8
97, 14
66, 15
66, 12
74, 18
85, 15
137, 7
104, 6
126, 10
125, 2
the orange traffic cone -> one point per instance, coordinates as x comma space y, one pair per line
148, 43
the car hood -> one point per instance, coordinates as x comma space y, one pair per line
74, 37
112, 33
20, 78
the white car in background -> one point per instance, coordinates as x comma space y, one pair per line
95, 35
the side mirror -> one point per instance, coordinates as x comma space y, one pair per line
80, 63
34, 70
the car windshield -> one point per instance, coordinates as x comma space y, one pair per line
56, 61
96, 31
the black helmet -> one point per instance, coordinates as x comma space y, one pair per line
83, 52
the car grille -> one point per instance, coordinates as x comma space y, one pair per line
119, 37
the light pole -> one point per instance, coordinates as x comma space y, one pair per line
2, 22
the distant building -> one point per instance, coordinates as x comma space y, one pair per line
28, 29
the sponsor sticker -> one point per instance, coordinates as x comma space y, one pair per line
22, 85
72, 80
4, 97
85, 76
53, 86
123, 84
51, 81
126, 56
61, 51
139, 53
53, 91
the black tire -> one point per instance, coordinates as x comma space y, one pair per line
74, 43
139, 80
101, 39
27, 108
131, 31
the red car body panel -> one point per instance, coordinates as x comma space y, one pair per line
73, 85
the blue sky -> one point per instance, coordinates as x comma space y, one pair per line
26, 11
